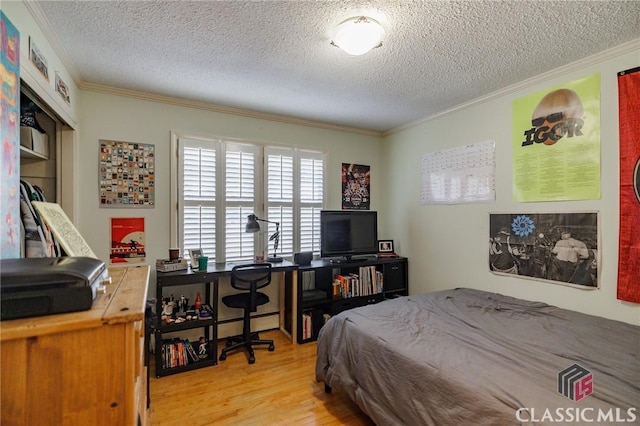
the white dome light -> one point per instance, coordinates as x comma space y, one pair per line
357, 36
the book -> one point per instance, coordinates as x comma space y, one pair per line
307, 332
169, 261
193, 355
163, 265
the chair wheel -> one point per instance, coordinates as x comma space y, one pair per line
272, 348
223, 356
252, 360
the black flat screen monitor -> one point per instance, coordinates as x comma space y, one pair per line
347, 233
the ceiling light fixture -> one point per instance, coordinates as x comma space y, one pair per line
358, 35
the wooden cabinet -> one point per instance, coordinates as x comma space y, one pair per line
318, 299
81, 368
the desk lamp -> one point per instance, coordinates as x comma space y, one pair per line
254, 226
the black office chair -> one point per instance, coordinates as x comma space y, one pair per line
249, 277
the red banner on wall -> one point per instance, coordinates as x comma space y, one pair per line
629, 246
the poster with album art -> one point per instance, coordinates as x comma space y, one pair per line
356, 187
127, 240
560, 248
127, 174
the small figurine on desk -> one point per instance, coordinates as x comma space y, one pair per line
167, 307
202, 349
182, 304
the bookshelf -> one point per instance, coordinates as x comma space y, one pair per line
175, 351
326, 289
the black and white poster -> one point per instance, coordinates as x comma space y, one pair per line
557, 247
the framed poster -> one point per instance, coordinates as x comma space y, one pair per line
62, 89
356, 187
557, 247
127, 174
38, 59
127, 240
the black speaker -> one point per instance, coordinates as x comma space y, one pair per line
303, 258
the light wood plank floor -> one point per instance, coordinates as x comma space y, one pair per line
279, 389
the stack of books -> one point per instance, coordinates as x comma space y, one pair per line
166, 265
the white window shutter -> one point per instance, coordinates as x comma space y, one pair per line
219, 186
197, 205
312, 169
240, 194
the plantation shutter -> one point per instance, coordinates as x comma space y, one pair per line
219, 184
240, 200
197, 206
295, 189
279, 199
312, 168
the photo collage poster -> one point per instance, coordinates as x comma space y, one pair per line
127, 174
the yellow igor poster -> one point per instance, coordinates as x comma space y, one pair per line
556, 143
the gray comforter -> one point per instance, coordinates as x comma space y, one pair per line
471, 357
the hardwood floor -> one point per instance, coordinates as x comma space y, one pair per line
279, 389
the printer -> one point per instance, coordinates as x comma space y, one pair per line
32, 287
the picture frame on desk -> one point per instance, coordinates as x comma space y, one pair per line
194, 254
385, 248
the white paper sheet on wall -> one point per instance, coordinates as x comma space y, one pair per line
465, 174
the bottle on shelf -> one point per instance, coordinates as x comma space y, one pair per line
198, 302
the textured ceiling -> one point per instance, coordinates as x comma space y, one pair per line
276, 56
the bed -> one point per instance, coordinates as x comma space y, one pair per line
466, 356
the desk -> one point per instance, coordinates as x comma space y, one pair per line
287, 305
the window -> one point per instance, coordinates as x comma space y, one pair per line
295, 196
221, 182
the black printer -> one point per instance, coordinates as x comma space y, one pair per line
32, 287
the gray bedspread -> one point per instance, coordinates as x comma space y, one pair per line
467, 357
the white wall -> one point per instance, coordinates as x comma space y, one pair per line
447, 245
120, 118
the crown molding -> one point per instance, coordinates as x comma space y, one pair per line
52, 38
151, 97
619, 50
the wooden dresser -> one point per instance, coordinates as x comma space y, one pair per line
80, 368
